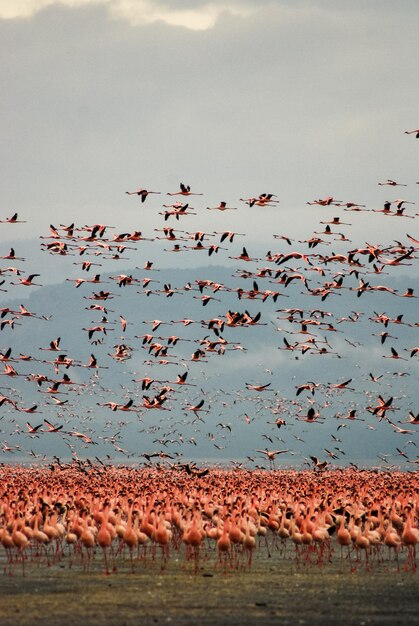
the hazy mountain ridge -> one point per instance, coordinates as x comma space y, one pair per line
223, 378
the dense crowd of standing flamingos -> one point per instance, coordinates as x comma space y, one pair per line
101, 385
211, 516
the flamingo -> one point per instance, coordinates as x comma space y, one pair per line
413, 419
222, 207
11, 256
51, 428
28, 281
399, 430
185, 190
271, 454
12, 220
265, 199
257, 387
143, 193
392, 183
228, 234
325, 202
33, 430
196, 408
320, 465
311, 417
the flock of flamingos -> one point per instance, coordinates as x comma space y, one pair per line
52, 508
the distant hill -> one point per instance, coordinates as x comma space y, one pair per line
251, 355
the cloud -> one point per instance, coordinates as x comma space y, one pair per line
292, 100
194, 16
191, 15
203, 14
28, 8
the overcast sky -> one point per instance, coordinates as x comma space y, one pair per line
235, 98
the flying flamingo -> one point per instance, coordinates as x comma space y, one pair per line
196, 408
12, 256
311, 417
27, 282
401, 431
141, 192
325, 202
51, 427
257, 387
12, 220
413, 419
271, 454
185, 190
222, 207
415, 132
321, 465
33, 430
243, 256
265, 199
392, 183
394, 355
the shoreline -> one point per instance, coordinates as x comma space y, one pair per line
272, 591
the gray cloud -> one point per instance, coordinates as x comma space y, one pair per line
303, 99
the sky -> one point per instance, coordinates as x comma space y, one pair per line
303, 99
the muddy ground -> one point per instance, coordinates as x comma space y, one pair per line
274, 590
